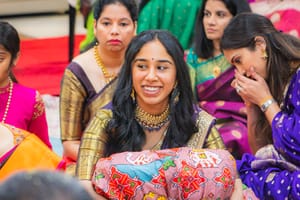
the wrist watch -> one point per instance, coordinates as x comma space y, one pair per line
266, 105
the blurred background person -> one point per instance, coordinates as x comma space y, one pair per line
42, 184
211, 74
20, 106
176, 16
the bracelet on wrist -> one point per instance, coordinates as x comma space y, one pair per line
267, 104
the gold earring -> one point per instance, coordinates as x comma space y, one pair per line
175, 94
132, 95
176, 99
264, 54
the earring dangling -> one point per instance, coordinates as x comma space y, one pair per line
264, 54
176, 99
132, 95
175, 95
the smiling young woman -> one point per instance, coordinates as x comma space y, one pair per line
154, 124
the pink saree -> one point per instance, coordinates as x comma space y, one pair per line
26, 110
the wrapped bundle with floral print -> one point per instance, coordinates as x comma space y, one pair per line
179, 173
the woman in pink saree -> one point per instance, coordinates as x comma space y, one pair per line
20, 106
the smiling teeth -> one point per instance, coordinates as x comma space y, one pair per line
151, 88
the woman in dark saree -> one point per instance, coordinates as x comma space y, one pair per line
89, 80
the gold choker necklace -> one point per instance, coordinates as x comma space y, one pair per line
151, 122
10, 90
108, 77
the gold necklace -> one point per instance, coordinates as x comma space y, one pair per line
10, 90
108, 77
151, 122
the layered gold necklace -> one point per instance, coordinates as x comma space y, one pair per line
152, 122
108, 76
10, 90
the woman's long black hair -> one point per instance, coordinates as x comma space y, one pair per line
123, 132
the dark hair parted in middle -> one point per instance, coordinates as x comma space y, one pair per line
10, 40
123, 131
203, 46
129, 4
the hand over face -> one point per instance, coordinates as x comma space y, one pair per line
251, 87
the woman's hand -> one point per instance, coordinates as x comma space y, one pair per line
71, 148
254, 90
238, 190
252, 87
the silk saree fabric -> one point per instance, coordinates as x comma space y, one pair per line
27, 152
78, 104
274, 171
176, 16
211, 81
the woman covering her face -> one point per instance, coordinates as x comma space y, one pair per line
267, 77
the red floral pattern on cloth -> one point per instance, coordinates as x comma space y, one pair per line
179, 173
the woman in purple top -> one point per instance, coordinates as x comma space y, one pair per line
20, 106
267, 77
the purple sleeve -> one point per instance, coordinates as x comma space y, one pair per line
286, 124
269, 182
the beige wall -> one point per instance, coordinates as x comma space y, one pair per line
15, 7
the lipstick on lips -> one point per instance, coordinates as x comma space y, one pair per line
114, 42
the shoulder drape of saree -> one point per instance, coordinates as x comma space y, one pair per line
207, 135
92, 144
72, 124
72, 97
102, 100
